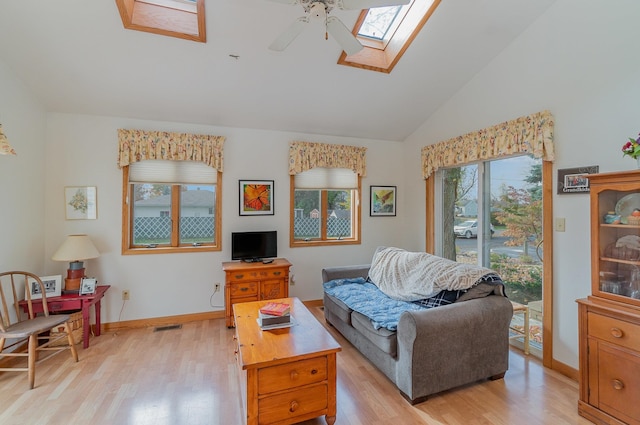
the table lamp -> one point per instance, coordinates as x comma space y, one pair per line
75, 249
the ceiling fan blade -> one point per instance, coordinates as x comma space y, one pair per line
284, 39
368, 4
343, 36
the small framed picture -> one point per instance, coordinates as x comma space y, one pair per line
88, 286
383, 201
81, 202
52, 286
256, 197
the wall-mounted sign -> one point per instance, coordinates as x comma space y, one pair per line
575, 180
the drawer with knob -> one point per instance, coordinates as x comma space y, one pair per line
291, 375
615, 331
244, 289
293, 404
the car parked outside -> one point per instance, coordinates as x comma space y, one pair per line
468, 229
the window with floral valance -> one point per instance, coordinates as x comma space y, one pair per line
326, 193
171, 187
139, 145
532, 134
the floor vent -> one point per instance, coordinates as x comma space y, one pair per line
167, 328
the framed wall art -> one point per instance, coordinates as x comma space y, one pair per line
256, 197
383, 201
575, 180
81, 202
52, 286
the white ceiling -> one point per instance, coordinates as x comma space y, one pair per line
76, 57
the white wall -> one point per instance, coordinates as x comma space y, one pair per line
579, 60
22, 207
82, 150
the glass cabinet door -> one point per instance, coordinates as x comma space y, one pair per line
616, 240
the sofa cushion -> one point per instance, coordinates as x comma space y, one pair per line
382, 338
338, 308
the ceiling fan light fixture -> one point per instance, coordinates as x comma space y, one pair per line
318, 11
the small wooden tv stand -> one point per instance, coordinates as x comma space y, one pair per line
254, 282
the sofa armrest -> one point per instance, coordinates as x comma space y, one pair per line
453, 345
345, 272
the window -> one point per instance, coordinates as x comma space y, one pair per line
173, 18
386, 33
325, 207
170, 206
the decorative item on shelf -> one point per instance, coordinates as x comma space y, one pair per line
5, 147
632, 149
612, 218
634, 217
75, 249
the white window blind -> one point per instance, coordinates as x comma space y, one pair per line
326, 178
178, 172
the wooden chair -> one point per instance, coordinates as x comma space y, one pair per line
16, 328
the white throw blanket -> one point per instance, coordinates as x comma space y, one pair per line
411, 276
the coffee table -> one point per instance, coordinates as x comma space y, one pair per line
287, 375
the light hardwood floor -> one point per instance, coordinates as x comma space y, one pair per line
189, 376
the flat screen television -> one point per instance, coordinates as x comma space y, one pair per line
254, 246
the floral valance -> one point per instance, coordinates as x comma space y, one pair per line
304, 156
531, 134
139, 145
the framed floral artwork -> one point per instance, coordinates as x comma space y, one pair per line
81, 202
383, 201
256, 197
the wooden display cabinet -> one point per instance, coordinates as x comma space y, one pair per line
256, 281
609, 319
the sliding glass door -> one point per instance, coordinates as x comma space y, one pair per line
492, 216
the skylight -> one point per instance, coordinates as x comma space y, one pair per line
379, 21
173, 18
386, 33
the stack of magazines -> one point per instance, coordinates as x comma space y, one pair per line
274, 315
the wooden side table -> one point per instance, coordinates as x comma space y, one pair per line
524, 310
73, 302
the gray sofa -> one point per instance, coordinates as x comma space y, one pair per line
432, 350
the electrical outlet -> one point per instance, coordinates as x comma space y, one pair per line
216, 287
125, 295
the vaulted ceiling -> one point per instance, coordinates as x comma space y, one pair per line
76, 57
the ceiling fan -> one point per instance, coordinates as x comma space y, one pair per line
319, 10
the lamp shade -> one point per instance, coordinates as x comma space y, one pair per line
5, 147
76, 248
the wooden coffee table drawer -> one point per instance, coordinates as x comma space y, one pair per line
291, 375
293, 404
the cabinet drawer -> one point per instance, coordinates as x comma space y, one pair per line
243, 289
292, 404
291, 375
618, 376
615, 331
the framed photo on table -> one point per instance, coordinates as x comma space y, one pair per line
256, 197
383, 201
52, 286
88, 286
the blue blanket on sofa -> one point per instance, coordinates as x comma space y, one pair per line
384, 312
365, 298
